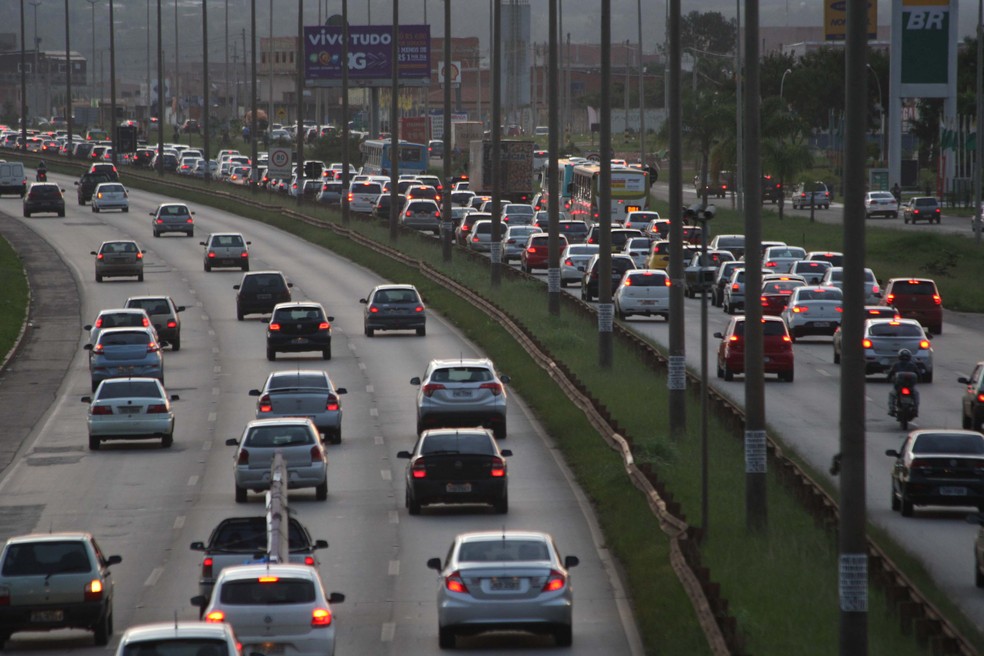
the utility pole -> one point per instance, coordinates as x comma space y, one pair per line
227, 73
346, 137
300, 101
91, 68
676, 380
113, 123
755, 453
254, 170
23, 67
642, 95
270, 113
160, 95
446, 223
207, 111
606, 311
979, 98
68, 80
177, 68
553, 184
852, 545
394, 128
496, 246
34, 70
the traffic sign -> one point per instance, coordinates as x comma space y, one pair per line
279, 163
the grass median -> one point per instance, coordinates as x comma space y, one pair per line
781, 587
13, 297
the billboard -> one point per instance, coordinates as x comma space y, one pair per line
370, 55
924, 46
835, 20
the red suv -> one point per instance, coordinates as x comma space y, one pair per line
777, 349
534, 256
916, 298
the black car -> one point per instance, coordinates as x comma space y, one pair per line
86, 185
394, 307
938, 467
44, 197
381, 208
299, 327
589, 283
107, 168
456, 465
972, 408
260, 291
771, 189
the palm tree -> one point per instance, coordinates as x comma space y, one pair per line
785, 160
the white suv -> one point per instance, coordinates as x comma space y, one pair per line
461, 392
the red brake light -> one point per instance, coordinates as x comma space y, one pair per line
419, 308
207, 567
215, 617
139, 256
419, 469
324, 325
839, 309
373, 309
332, 404
152, 347
244, 254
734, 338
787, 338
320, 617
799, 309
211, 253
890, 298
172, 324
273, 327
905, 391
454, 583
866, 343
430, 388
102, 410
243, 457
265, 404
937, 300
924, 344
495, 388
498, 468
736, 287
99, 322
93, 590
156, 408
99, 256
316, 454
555, 581
980, 398
309, 561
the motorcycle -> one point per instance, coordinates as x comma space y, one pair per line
41, 176
906, 406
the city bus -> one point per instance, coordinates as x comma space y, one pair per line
565, 175
377, 161
629, 192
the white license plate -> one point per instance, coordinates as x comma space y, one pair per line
129, 409
299, 340
822, 324
47, 616
461, 394
504, 584
459, 487
950, 491
647, 302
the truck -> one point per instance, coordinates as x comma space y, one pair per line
465, 132
515, 172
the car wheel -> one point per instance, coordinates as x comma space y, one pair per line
564, 636
413, 506
126, 210
966, 422
27, 214
786, 376
191, 233
927, 377
321, 492
937, 329
896, 504
102, 631
271, 354
139, 277
978, 576
502, 505
720, 371
245, 267
167, 441
176, 343
326, 353
906, 506
905, 219
370, 332
99, 278
93, 442
499, 431
335, 436
207, 266
445, 638
728, 374
156, 234
95, 210
241, 493
239, 314
422, 331
837, 357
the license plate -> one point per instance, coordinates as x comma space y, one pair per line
459, 487
950, 491
822, 324
268, 648
299, 340
47, 616
264, 297
504, 584
461, 394
129, 409
648, 302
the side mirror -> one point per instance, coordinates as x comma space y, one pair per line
150, 213
571, 561
86, 399
341, 390
114, 560
336, 598
434, 563
290, 284
415, 380
175, 397
180, 308
893, 453
203, 243
506, 452
249, 243
235, 286
363, 301
232, 442
719, 335
505, 379
87, 347
331, 318
320, 544
254, 392
406, 455
964, 379
93, 253
197, 546
87, 327
199, 601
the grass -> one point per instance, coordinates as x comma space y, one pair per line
13, 297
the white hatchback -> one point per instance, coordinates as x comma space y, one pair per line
110, 196
643, 291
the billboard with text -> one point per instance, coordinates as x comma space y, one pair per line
370, 55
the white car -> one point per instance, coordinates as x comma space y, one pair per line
184, 637
643, 291
296, 439
780, 259
638, 249
274, 609
573, 261
834, 277
130, 409
362, 195
813, 310
110, 196
880, 203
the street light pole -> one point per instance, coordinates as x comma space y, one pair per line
112, 87
92, 62
881, 115
34, 71
782, 82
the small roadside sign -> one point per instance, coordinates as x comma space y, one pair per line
279, 163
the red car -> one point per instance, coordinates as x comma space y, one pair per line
535, 255
775, 293
777, 349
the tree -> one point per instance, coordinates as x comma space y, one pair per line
708, 117
786, 161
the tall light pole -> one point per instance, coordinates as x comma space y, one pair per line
160, 93
37, 42
68, 79
206, 99
881, 116
112, 85
642, 96
148, 57
979, 150
92, 61
782, 82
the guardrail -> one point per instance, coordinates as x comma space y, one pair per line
918, 616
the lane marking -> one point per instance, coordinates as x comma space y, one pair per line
373, 412
388, 632
215, 391
211, 333
378, 440
204, 317
207, 445
215, 349
217, 368
823, 373
386, 474
351, 346
370, 389
193, 480
394, 517
362, 366
179, 522
394, 568
154, 576
212, 416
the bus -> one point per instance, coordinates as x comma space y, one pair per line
630, 192
376, 158
565, 175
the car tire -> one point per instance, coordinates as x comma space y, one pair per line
156, 234
728, 374
239, 314
906, 506
102, 632
896, 504
370, 332
99, 278
241, 494
422, 331
967, 423
95, 210
271, 354
321, 492
326, 353
937, 329
176, 343
126, 210
501, 506
191, 233
499, 431
139, 277
207, 267
720, 371
93, 443
167, 441
837, 357
445, 638
564, 636
978, 577
413, 506
27, 214
335, 436
786, 376
905, 219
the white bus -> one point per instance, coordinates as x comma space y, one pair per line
629, 192
565, 176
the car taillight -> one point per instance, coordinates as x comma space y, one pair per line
498, 468
264, 404
437, 214
93, 590
475, 239
158, 221
555, 581
99, 256
316, 455
980, 397
152, 347
139, 256
320, 617
430, 388
787, 338
351, 197
243, 457
801, 309
839, 309
454, 583
189, 220
273, 327
215, 617
770, 264
918, 464
332, 404
875, 289
495, 388
866, 343
324, 325
419, 308
905, 391
531, 249
102, 410
156, 408
244, 254
924, 344
99, 322
207, 567
211, 253
889, 299
569, 262
373, 309
937, 300
309, 561
734, 339
419, 469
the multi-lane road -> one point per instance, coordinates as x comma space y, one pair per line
148, 504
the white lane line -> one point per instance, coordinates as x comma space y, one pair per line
394, 517
217, 368
822, 372
373, 412
370, 389
386, 474
193, 480
394, 568
362, 366
154, 576
351, 346
179, 522
378, 440
215, 349
204, 317
211, 333
216, 391
388, 632
207, 445
212, 416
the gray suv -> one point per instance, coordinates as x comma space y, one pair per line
461, 392
812, 193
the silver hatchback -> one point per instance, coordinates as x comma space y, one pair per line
124, 352
297, 439
462, 392
120, 258
421, 214
302, 393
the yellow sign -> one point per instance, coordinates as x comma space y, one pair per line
835, 19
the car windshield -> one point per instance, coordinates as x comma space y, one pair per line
458, 442
272, 436
190, 646
461, 375
276, 592
122, 389
37, 558
944, 443
498, 550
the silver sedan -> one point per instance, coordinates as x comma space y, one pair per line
573, 261
130, 409
504, 581
297, 439
302, 393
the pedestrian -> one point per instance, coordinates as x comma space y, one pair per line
897, 192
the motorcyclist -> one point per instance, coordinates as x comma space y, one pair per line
905, 363
42, 171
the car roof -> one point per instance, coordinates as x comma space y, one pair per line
125, 329
280, 421
49, 537
884, 320
121, 311
394, 286
245, 572
481, 536
298, 304
148, 297
462, 362
181, 629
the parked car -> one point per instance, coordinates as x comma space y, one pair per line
46, 197
880, 203
504, 580
777, 349
455, 466
938, 467
225, 249
56, 580
916, 298
296, 439
643, 292
116, 259
130, 409
394, 307
972, 405
922, 208
173, 217
164, 315
260, 291
462, 392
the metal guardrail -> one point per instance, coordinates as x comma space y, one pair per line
918, 616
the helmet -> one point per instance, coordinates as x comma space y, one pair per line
905, 355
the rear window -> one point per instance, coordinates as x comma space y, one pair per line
367, 188
119, 247
278, 592
828, 294
291, 381
249, 534
503, 550
122, 320
458, 443
920, 287
396, 296
151, 306
942, 443
272, 281
730, 242
227, 240
123, 338
298, 314
421, 207
177, 647
36, 558
577, 227
769, 328
124, 389
647, 280
273, 436
461, 375
895, 330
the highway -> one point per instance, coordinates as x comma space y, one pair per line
148, 504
